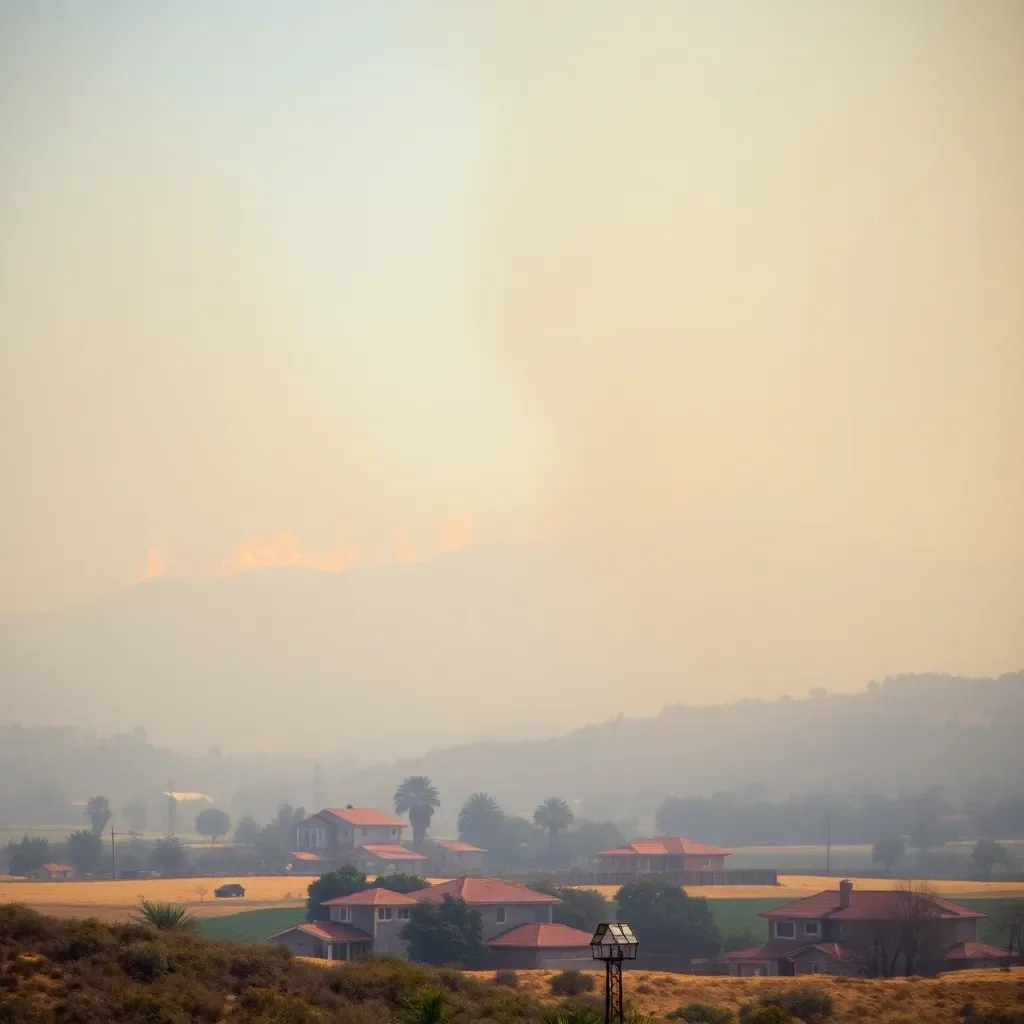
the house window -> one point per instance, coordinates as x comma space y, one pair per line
394, 833
785, 929
844, 927
385, 913
501, 915
403, 913
812, 928
815, 968
707, 862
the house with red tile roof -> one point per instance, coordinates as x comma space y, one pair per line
662, 854
450, 857
868, 931
55, 872
516, 923
364, 837
540, 947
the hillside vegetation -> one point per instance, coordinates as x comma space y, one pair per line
87, 972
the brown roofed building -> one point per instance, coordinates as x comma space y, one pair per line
451, 857
540, 947
362, 836
875, 932
644, 857
379, 915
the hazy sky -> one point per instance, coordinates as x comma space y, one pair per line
727, 298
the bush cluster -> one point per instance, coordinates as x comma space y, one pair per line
571, 983
89, 972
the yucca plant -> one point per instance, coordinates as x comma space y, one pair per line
570, 1013
432, 1007
166, 916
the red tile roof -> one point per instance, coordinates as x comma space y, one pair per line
542, 936
771, 950
664, 846
363, 816
371, 898
486, 891
58, 867
979, 951
832, 949
776, 949
306, 855
865, 905
456, 847
329, 931
388, 851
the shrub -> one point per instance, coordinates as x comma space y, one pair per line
809, 1003
19, 1010
996, 1017
571, 983
572, 1011
702, 1013
507, 978
768, 1015
145, 1008
142, 962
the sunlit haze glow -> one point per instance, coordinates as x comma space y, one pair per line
715, 308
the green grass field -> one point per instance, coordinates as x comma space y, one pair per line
251, 925
733, 917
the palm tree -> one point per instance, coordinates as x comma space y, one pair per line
479, 816
166, 916
97, 810
554, 814
417, 796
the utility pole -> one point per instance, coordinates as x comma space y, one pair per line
828, 845
113, 858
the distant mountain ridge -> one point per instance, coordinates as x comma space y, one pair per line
907, 734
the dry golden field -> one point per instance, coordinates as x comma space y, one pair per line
117, 900
797, 886
112, 901
872, 1001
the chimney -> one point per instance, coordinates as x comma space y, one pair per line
845, 893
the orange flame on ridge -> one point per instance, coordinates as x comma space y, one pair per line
287, 550
156, 565
455, 532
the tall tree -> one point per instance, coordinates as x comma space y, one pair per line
449, 932
213, 823
417, 796
247, 830
987, 853
887, 851
85, 851
553, 815
400, 882
28, 856
286, 821
667, 920
168, 856
329, 887
97, 810
479, 819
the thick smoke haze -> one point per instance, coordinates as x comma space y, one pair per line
714, 306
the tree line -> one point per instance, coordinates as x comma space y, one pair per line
925, 820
